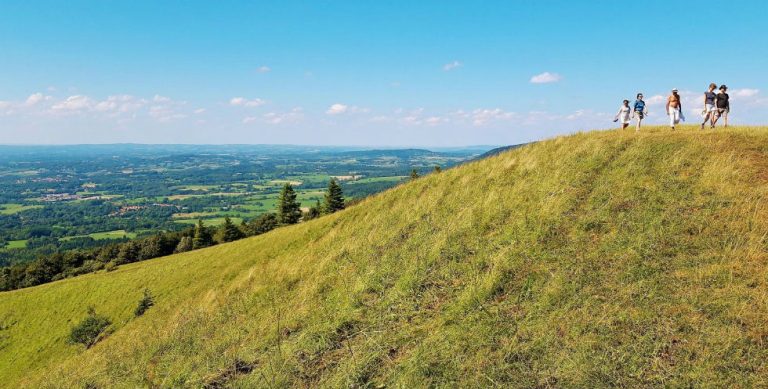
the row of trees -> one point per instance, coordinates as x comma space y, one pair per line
75, 262
289, 209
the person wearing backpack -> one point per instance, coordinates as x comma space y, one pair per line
638, 110
722, 106
709, 106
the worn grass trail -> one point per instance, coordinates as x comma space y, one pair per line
593, 260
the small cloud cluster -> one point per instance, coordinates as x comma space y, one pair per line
243, 102
546, 78
452, 65
39, 104
294, 115
341, 109
263, 69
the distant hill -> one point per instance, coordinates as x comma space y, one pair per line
603, 259
497, 151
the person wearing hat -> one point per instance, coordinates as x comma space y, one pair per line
674, 108
722, 106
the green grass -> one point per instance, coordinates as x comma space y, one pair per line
603, 259
15, 244
12, 209
217, 221
116, 234
377, 179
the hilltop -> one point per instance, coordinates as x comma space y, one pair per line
592, 260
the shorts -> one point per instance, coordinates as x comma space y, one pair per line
721, 111
639, 115
709, 108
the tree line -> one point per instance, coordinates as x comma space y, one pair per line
62, 265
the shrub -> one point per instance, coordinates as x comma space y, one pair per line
110, 266
89, 331
144, 304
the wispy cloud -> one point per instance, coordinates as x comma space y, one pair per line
546, 78
745, 92
243, 102
263, 69
452, 65
340, 109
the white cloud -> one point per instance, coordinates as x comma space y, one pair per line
73, 103
292, 116
452, 65
481, 116
199, 111
243, 102
337, 109
434, 120
161, 99
342, 109
120, 104
546, 78
35, 98
264, 69
745, 92
656, 100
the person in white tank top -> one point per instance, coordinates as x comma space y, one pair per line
623, 115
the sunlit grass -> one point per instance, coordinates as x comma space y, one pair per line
593, 260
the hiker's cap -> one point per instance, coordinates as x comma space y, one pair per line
674, 89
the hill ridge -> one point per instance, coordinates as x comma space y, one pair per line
597, 259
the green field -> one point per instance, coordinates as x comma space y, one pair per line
602, 259
379, 179
12, 209
116, 234
210, 222
15, 244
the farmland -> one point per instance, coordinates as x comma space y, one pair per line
55, 198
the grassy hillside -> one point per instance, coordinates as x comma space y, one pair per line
599, 259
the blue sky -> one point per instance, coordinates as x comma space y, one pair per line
394, 73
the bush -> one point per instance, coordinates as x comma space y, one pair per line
144, 304
110, 266
89, 331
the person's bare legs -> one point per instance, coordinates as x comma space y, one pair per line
639, 119
624, 126
714, 119
706, 119
725, 119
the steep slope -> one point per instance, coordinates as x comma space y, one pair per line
599, 259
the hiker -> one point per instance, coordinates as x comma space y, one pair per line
674, 109
709, 106
623, 114
638, 110
722, 106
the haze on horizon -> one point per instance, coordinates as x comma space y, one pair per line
431, 74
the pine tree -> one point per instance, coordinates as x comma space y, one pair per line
334, 198
229, 231
288, 209
262, 224
414, 174
438, 169
202, 236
